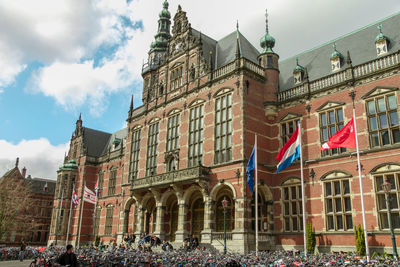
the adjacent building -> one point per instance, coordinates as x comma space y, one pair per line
186, 148
33, 227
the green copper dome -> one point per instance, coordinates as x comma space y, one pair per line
380, 36
69, 166
165, 13
267, 42
336, 54
298, 67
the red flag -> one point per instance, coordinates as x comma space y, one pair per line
346, 137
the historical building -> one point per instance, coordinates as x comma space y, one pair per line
33, 226
186, 147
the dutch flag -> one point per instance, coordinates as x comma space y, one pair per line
289, 152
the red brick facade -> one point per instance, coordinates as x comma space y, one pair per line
175, 203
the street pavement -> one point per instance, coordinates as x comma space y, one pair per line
25, 263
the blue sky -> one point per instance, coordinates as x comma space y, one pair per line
65, 57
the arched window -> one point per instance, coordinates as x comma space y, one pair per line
219, 220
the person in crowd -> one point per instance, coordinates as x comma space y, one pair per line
22, 251
68, 258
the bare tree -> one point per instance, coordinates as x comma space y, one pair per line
15, 205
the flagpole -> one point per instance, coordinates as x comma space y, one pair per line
96, 190
353, 95
60, 206
70, 212
256, 199
302, 193
80, 219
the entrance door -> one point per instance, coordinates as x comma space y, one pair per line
174, 220
198, 218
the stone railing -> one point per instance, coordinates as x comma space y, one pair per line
341, 76
327, 81
291, 93
376, 65
165, 179
220, 236
224, 70
254, 67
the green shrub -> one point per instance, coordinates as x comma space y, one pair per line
97, 240
311, 240
360, 240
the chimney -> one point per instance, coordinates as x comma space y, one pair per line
17, 162
23, 172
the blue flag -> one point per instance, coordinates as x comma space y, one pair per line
250, 169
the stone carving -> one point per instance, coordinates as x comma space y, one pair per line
185, 175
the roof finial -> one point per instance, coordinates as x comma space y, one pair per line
80, 116
131, 106
237, 25
16, 162
297, 61
334, 46
380, 27
266, 21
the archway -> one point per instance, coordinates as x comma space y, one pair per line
129, 216
171, 217
197, 212
224, 192
150, 215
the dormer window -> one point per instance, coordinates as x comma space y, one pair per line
381, 43
116, 142
336, 59
298, 73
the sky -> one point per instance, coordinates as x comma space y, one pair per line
60, 58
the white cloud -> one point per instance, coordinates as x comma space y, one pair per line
65, 34
39, 156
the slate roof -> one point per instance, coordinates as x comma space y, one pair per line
360, 44
95, 141
224, 50
121, 134
37, 186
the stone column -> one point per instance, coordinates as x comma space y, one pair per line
181, 233
206, 234
120, 231
140, 221
159, 231
242, 226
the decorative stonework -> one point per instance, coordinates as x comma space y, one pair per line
182, 176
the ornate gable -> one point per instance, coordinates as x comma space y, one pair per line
291, 116
329, 105
336, 174
380, 90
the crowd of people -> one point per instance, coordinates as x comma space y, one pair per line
151, 251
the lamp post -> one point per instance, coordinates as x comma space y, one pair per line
387, 186
225, 206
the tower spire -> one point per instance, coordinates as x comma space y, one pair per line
131, 107
267, 42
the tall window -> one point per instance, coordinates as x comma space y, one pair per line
330, 122
173, 132
109, 220
394, 195
100, 183
383, 121
287, 129
151, 166
136, 134
97, 221
292, 208
111, 182
196, 135
338, 205
176, 77
223, 129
